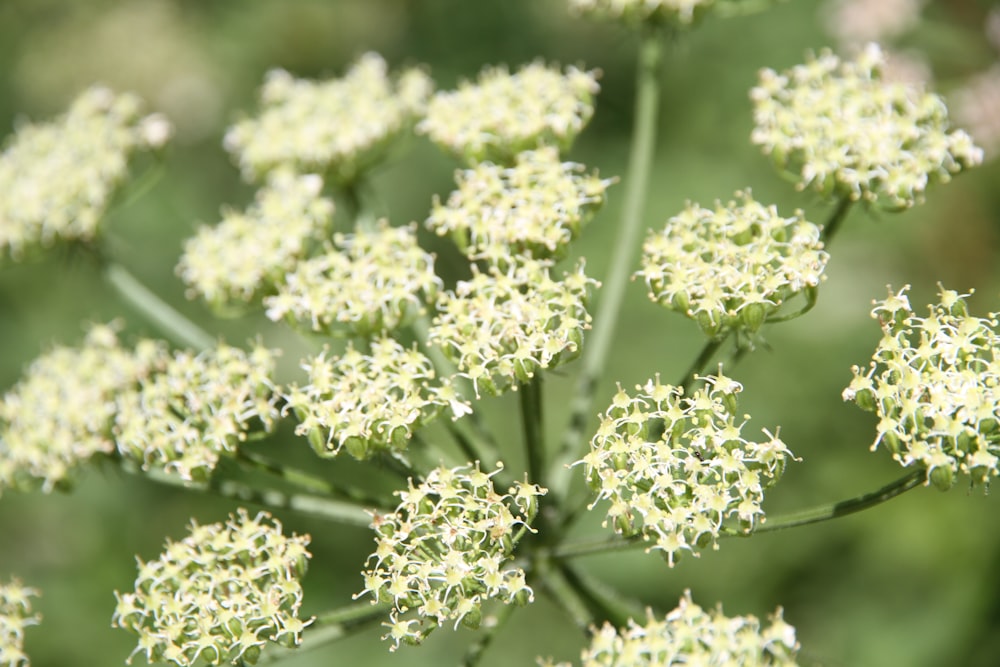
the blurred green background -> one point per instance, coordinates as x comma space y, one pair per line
913, 582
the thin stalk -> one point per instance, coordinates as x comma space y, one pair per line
305, 481
595, 353
485, 636
328, 627
699, 364
174, 325
333, 510
812, 515
531, 417
563, 593
836, 218
839, 509
606, 604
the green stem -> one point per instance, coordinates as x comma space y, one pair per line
531, 416
333, 510
486, 636
563, 593
698, 365
328, 627
174, 325
305, 481
599, 340
836, 218
802, 518
605, 603
839, 509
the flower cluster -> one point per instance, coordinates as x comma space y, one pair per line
837, 128
371, 284
534, 208
504, 114
58, 178
15, 616
934, 384
689, 635
60, 414
732, 267
251, 251
337, 128
369, 402
675, 469
200, 407
683, 12
447, 549
500, 328
219, 595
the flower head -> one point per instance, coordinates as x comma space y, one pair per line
731, 267
835, 127
58, 178
15, 616
447, 549
679, 12
533, 209
202, 406
689, 635
371, 283
219, 595
336, 128
368, 403
60, 414
501, 327
675, 469
934, 384
250, 252
503, 114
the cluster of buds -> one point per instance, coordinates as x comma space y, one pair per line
60, 414
251, 251
503, 114
199, 408
447, 549
15, 616
689, 635
732, 267
934, 384
336, 128
675, 469
372, 282
366, 403
500, 328
675, 12
533, 208
835, 127
219, 595
58, 178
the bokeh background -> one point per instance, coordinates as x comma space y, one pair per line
913, 582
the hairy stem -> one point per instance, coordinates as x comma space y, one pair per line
598, 345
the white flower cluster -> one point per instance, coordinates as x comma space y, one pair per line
250, 252
336, 128
533, 208
368, 403
934, 384
676, 468
219, 595
835, 127
503, 114
199, 408
371, 283
58, 178
689, 635
683, 12
731, 267
15, 616
60, 414
500, 328
447, 549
